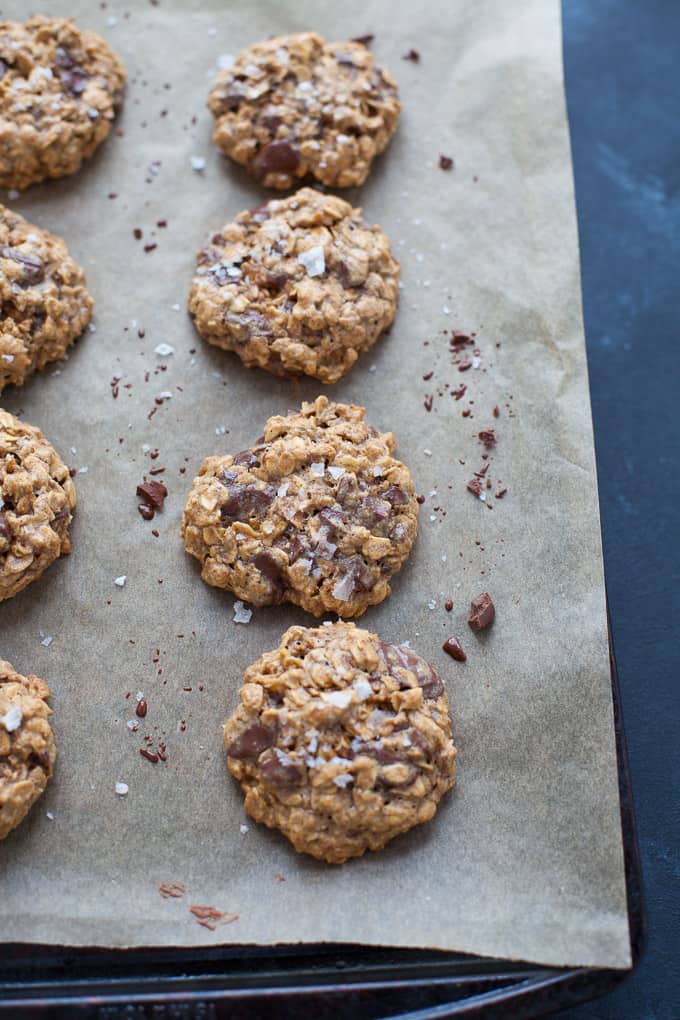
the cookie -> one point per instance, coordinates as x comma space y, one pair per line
27, 750
295, 106
60, 90
37, 498
299, 285
341, 741
318, 513
44, 303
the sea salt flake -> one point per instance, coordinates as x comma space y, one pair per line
120, 581
282, 490
48, 814
343, 780
363, 688
339, 699
197, 163
313, 260
225, 60
241, 614
83, 470
336, 472
47, 639
343, 587
122, 789
243, 828
175, 308
8, 357
139, 696
132, 725
12, 718
318, 469
165, 350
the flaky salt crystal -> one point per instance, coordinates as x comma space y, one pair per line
339, 699
343, 587
241, 614
165, 350
318, 469
343, 780
336, 472
12, 718
313, 260
122, 789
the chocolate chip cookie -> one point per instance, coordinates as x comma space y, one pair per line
60, 89
341, 741
44, 303
27, 750
295, 106
299, 285
37, 498
318, 513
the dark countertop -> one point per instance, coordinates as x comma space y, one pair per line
622, 68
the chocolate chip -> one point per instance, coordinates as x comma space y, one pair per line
396, 656
411, 55
279, 157
269, 567
482, 612
248, 324
375, 509
33, 268
296, 550
60, 521
396, 496
453, 648
153, 493
420, 741
445, 162
488, 437
74, 80
245, 457
141, 708
334, 518
248, 501
432, 687
448, 605
262, 277
278, 771
5, 531
253, 741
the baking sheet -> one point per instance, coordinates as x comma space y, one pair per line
524, 859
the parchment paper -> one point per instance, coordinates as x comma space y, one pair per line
524, 858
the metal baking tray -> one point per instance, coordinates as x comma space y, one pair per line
315, 981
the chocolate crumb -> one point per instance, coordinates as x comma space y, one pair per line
446, 163
488, 437
137, 233
482, 612
149, 755
453, 648
448, 605
364, 40
411, 55
496, 411
153, 493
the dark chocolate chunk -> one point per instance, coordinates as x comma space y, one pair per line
397, 656
153, 493
74, 80
482, 612
253, 741
488, 437
248, 501
269, 567
278, 771
445, 162
453, 648
146, 511
5, 531
248, 324
279, 157
396, 496
33, 268
245, 457
375, 509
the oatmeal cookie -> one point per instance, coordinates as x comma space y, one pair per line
37, 498
44, 303
27, 750
299, 285
60, 89
295, 106
318, 513
341, 741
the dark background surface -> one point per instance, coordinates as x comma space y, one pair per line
622, 69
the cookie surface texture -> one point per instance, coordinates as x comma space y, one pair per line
301, 285
60, 89
318, 513
295, 106
341, 741
37, 499
44, 302
27, 749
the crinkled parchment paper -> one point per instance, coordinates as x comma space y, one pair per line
524, 858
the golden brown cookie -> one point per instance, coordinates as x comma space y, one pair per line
341, 740
37, 498
299, 285
44, 303
60, 89
27, 750
318, 513
295, 106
